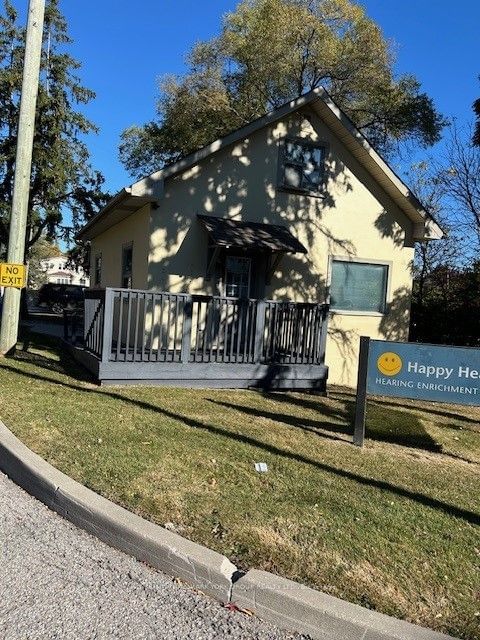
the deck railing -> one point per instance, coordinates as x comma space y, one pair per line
129, 325
94, 320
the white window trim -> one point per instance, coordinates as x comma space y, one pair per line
355, 259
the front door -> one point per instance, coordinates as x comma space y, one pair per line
237, 276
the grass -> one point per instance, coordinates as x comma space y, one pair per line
393, 527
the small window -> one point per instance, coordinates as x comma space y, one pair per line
302, 166
358, 286
127, 260
237, 277
82, 281
98, 270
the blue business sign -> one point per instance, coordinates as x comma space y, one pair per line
424, 372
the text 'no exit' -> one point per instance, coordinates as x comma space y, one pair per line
12, 275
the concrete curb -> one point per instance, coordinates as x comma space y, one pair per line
283, 602
203, 568
293, 606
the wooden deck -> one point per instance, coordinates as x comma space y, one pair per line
144, 337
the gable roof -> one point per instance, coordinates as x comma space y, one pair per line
142, 191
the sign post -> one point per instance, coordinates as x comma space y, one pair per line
361, 403
23, 166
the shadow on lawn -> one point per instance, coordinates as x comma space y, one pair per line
65, 365
383, 485
315, 426
393, 426
434, 411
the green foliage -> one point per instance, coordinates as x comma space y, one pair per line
268, 52
41, 250
79, 256
62, 177
446, 306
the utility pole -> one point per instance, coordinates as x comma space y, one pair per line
23, 167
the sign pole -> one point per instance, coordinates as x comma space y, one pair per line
23, 166
361, 403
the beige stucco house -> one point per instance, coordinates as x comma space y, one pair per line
295, 206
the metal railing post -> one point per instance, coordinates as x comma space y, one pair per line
259, 331
187, 330
324, 333
86, 319
107, 325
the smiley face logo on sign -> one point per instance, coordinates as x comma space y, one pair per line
389, 363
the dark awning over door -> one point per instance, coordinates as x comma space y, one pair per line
250, 235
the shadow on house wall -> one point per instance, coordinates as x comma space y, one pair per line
241, 182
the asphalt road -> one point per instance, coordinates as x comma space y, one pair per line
57, 581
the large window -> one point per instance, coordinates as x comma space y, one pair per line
127, 261
302, 167
358, 286
237, 277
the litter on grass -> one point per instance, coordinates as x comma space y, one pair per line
261, 467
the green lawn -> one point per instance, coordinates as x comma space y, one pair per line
394, 526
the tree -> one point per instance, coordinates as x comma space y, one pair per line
40, 251
446, 287
476, 133
425, 180
62, 176
450, 306
460, 179
269, 52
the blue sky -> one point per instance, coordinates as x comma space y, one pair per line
124, 47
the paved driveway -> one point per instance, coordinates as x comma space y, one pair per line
56, 581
